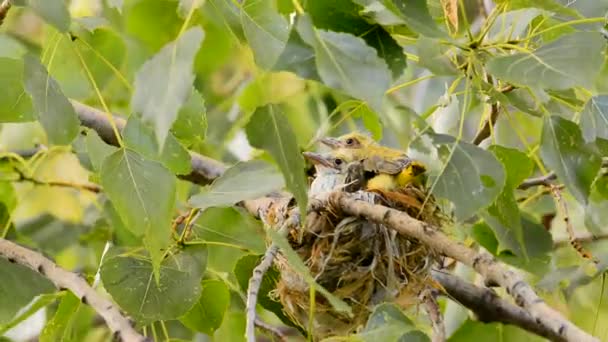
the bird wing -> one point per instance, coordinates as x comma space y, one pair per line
392, 166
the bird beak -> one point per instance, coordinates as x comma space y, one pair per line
316, 159
331, 142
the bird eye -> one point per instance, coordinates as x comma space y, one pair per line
350, 141
338, 161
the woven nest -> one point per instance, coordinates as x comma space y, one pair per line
360, 262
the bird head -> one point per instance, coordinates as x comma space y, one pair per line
353, 140
336, 160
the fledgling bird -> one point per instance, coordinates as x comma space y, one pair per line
334, 171
393, 168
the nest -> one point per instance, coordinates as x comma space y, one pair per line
360, 262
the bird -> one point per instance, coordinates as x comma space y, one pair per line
340, 170
335, 170
393, 169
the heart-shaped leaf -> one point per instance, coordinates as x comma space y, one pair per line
143, 193
266, 31
247, 180
470, 172
163, 83
269, 129
55, 112
594, 118
128, 278
564, 151
15, 105
572, 60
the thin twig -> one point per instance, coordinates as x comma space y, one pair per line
118, 324
486, 130
489, 307
582, 251
255, 282
275, 331
584, 238
429, 301
64, 184
484, 264
536, 181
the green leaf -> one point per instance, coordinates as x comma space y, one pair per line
190, 127
15, 105
98, 150
374, 10
50, 234
11, 47
140, 137
299, 267
388, 323
548, 5
233, 327
18, 287
594, 118
564, 151
166, 26
298, 57
471, 172
128, 277
342, 16
432, 55
243, 270
347, 63
416, 15
572, 60
538, 248
266, 31
102, 47
226, 231
55, 112
269, 129
163, 83
246, 180
143, 193
58, 327
53, 12
38, 303
503, 215
208, 313
370, 120
481, 331
512, 25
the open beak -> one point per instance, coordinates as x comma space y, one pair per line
331, 142
317, 159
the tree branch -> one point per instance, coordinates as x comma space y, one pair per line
486, 130
118, 324
484, 264
204, 169
489, 307
536, 181
87, 187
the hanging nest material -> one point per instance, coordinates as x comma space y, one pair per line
360, 262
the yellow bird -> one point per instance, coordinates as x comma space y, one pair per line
393, 168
